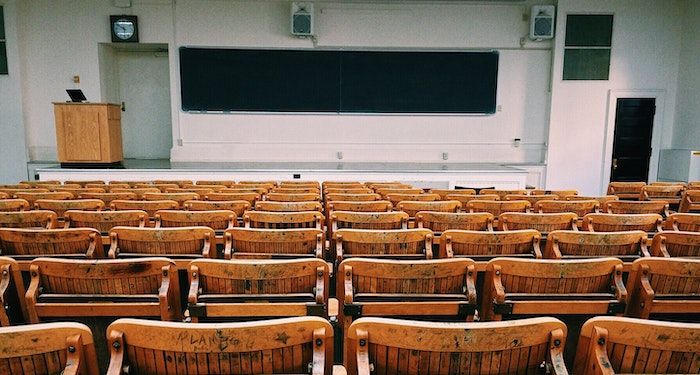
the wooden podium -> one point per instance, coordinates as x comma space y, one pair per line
88, 134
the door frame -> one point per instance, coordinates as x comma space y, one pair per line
656, 132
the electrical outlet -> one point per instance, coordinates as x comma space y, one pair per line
445, 156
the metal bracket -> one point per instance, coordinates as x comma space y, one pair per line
316, 310
198, 310
353, 310
615, 308
503, 308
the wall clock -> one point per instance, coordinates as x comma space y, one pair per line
124, 29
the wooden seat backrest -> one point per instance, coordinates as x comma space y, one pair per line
626, 190
104, 221
476, 244
283, 220
180, 198
187, 242
93, 288
386, 191
466, 198
54, 195
107, 198
537, 281
14, 191
413, 243
361, 197
84, 183
609, 345
368, 220
502, 193
443, 193
161, 187
396, 198
14, 205
676, 244
541, 222
173, 182
296, 190
347, 191
151, 207
566, 243
259, 184
244, 189
238, 207
684, 222
30, 243
231, 284
559, 193
288, 206
250, 197
29, 219
108, 188
454, 348
413, 207
197, 188
11, 293
442, 221
668, 193
498, 207
533, 199
580, 207
4, 195
622, 222
200, 190
138, 191
61, 206
82, 190
267, 243
292, 197
690, 202
226, 183
652, 279
603, 200
48, 348
356, 206
632, 207
217, 220
294, 184
288, 346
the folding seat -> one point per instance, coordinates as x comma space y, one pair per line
230, 289
622, 222
112, 185
442, 289
161, 187
502, 193
559, 193
238, 206
299, 184
61, 206
13, 205
348, 191
544, 223
180, 198
361, 197
84, 183
412, 191
567, 244
173, 182
580, 208
197, 188
358, 206
466, 198
496, 208
298, 197
616, 345
296, 190
36, 219
483, 246
413, 207
368, 220
267, 185
683, 222
528, 346
626, 190
670, 194
219, 220
151, 207
396, 198
632, 207
107, 198
273, 243
299, 345
540, 287
533, 199
385, 244
690, 201
104, 221
443, 193
200, 190
672, 244
69, 288
602, 201
664, 286
48, 348
250, 197
23, 245
13, 309
82, 190
441, 221
33, 197
283, 220
12, 191
288, 206
241, 189
179, 244
138, 191
227, 183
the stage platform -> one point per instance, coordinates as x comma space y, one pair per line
436, 175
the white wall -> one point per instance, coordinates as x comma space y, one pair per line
686, 133
645, 50
13, 154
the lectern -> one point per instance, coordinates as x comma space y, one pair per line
88, 134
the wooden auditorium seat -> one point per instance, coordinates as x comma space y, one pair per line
180, 244
386, 191
386, 244
63, 288
684, 222
616, 345
180, 198
502, 193
227, 183
238, 207
296, 190
361, 197
13, 205
271, 206
559, 193
690, 202
300, 345
368, 220
396, 198
218, 220
441, 289
24, 245
37, 219
676, 244
356, 206
250, 197
274, 243
138, 191
602, 200
540, 287
566, 244
107, 198
162, 187
283, 220
108, 188
543, 223
173, 182
261, 184
77, 191
244, 189
348, 191
632, 207
151, 207
670, 194
381, 345
622, 222
664, 286
104, 221
48, 348
33, 197
466, 198
14, 191
443, 193
441, 221
498, 207
12, 307
626, 190
230, 289
299, 197
295, 184
84, 183
482, 246
533, 199
201, 191
413, 207
580, 208
61, 206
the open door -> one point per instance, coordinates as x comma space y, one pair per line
634, 122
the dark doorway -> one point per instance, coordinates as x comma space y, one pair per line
634, 121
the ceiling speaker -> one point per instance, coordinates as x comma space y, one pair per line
302, 19
542, 22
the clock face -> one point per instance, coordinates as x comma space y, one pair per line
123, 29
